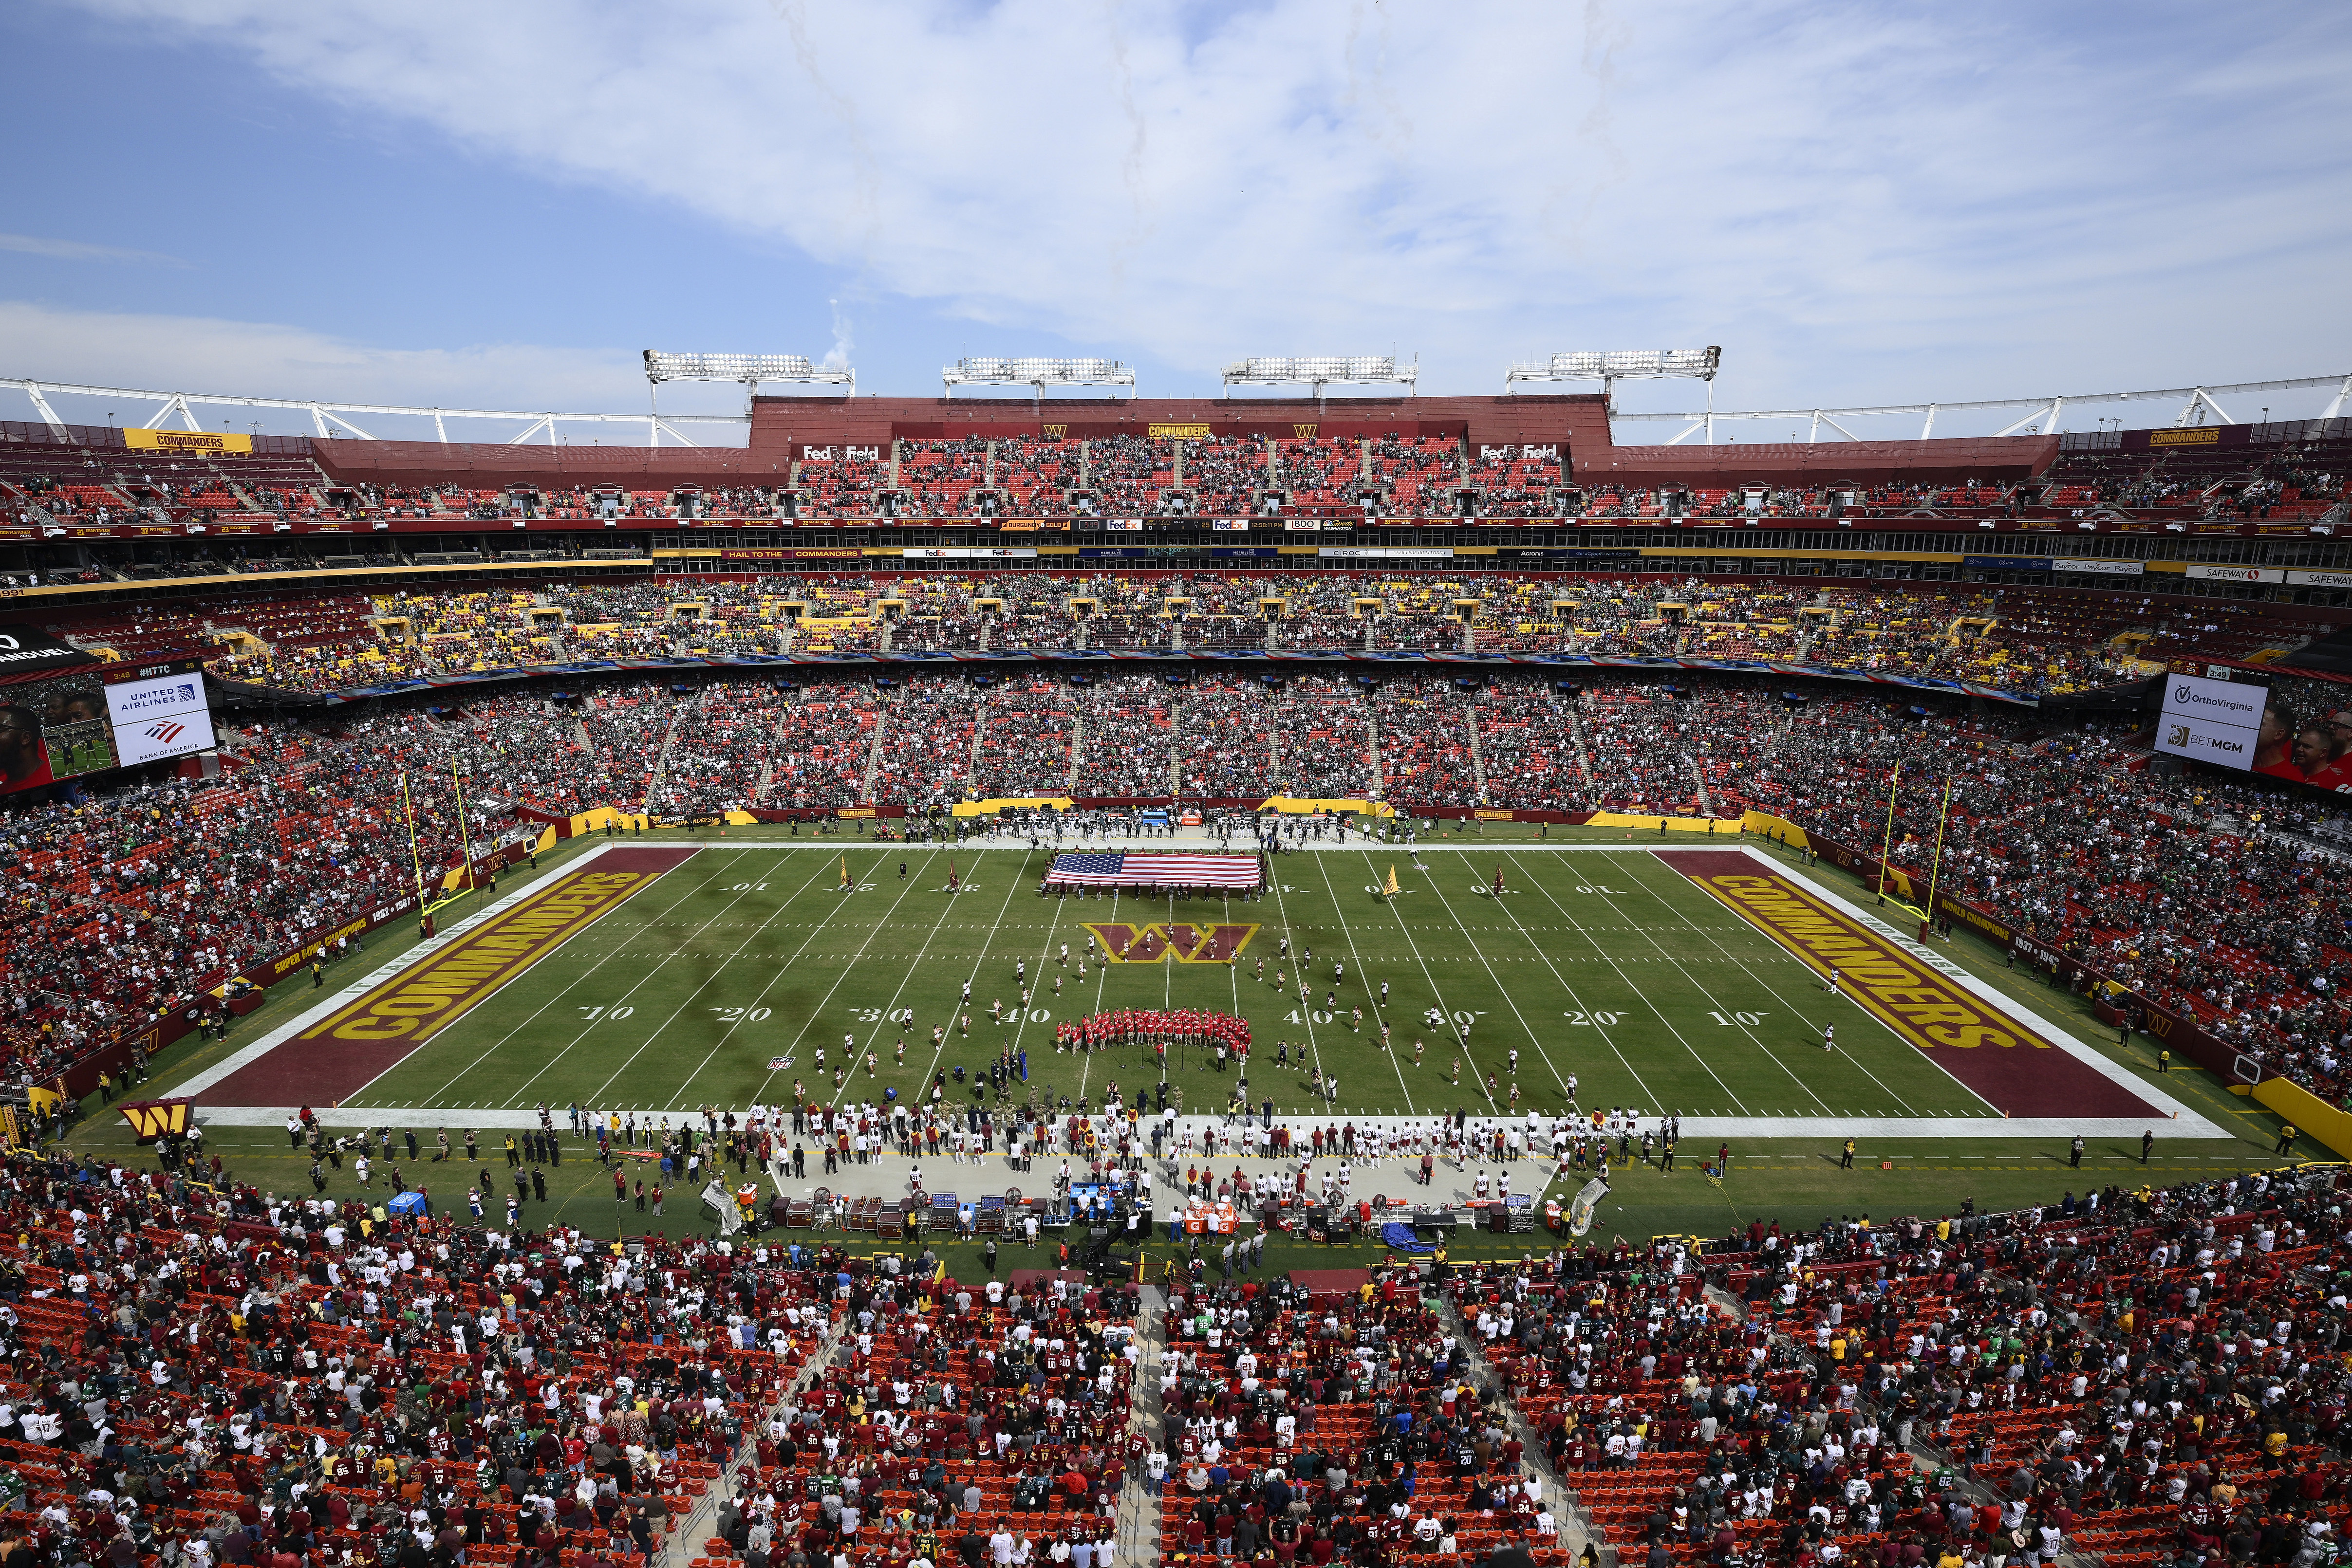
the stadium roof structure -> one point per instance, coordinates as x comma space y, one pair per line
773, 433
2198, 400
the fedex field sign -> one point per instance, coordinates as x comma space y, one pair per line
2211, 721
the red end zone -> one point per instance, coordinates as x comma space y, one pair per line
2019, 1071
327, 1062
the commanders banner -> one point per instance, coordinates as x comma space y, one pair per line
197, 440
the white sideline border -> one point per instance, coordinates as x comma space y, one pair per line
2182, 1121
331, 1001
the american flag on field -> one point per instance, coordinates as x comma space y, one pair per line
1114, 870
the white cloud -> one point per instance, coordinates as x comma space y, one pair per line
79, 250
1856, 200
208, 356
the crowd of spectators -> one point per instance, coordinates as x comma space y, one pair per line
1026, 730
1224, 736
1323, 740
205, 1372
2146, 1378
2020, 639
1127, 726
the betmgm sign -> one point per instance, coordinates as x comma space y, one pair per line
2213, 721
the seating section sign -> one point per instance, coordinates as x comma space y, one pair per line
2213, 721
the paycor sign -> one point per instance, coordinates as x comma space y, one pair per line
2213, 721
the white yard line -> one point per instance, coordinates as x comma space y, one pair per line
1012, 882
1757, 976
1453, 1026
1501, 989
592, 973
1611, 958
717, 969
1306, 1003
1364, 978
780, 970
1610, 895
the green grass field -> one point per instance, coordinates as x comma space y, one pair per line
1606, 966
1652, 950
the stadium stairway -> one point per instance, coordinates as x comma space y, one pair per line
1477, 758
873, 750
684, 1542
1583, 755
1575, 1524
661, 759
1138, 1525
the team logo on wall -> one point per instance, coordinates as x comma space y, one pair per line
1185, 943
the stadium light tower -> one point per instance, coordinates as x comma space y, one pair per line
749, 368
1037, 374
1319, 371
1610, 366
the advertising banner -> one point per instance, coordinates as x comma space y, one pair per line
26, 650
201, 441
2211, 721
2100, 567
2237, 573
164, 715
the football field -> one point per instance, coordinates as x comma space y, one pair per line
1691, 983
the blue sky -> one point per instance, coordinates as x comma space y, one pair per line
470, 205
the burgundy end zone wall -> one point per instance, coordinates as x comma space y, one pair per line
327, 1073
2018, 1081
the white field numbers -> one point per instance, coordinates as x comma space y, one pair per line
1606, 1021
749, 887
741, 1015
874, 1015
1749, 1018
610, 1015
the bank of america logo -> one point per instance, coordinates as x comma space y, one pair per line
164, 731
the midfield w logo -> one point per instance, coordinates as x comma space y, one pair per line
1185, 943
